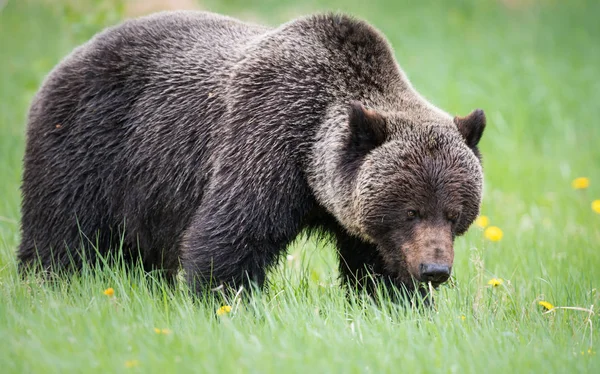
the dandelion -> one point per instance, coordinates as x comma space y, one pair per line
493, 233
482, 221
109, 291
223, 310
463, 317
596, 206
132, 363
580, 183
162, 331
495, 282
546, 305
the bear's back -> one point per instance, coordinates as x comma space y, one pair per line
143, 55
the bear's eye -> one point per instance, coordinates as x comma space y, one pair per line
412, 214
453, 217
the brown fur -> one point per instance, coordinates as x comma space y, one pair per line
196, 140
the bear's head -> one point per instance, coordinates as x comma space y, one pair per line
417, 186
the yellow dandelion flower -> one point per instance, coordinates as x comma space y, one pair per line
162, 331
223, 310
463, 317
546, 305
109, 291
493, 233
132, 363
596, 206
580, 183
495, 282
482, 221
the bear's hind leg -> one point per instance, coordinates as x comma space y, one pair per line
65, 248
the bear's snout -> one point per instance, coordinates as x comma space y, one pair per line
429, 254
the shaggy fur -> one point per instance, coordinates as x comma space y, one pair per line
193, 139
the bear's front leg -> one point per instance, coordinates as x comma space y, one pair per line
244, 223
359, 263
362, 269
217, 253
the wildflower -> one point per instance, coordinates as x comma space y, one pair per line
132, 363
493, 233
596, 206
162, 331
223, 310
495, 282
546, 305
580, 183
482, 221
463, 317
109, 291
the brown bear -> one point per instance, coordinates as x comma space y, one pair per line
192, 139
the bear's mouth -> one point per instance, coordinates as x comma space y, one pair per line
435, 285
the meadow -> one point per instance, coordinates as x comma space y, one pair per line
533, 66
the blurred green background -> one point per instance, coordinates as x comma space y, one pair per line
532, 65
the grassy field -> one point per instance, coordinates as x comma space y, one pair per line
534, 66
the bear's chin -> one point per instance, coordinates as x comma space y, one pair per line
400, 290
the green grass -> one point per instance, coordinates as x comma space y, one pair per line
534, 69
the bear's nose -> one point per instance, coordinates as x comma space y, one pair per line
434, 273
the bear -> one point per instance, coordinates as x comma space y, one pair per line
194, 141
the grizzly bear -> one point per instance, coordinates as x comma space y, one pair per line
194, 140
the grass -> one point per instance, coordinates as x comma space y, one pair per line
532, 67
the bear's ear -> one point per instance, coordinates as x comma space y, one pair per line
367, 127
471, 127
